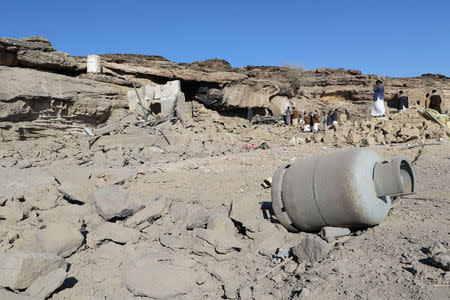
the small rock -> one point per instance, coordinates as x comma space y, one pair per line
149, 214
441, 260
304, 293
245, 292
311, 249
222, 242
45, 285
74, 192
245, 210
7, 295
157, 280
113, 202
59, 239
18, 269
8, 162
197, 219
277, 278
435, 248
231, 289
172, 242
43, 200
290, 267
183, 260
221, 223
113, 232
11, 214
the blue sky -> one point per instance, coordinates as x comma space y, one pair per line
394, 38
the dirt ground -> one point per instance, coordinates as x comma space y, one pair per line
388, 261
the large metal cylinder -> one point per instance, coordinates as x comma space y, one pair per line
349, 188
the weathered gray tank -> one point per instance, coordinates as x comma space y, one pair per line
350, 188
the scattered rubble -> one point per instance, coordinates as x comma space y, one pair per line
109, 193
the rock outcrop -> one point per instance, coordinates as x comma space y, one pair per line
72, 98
35, 52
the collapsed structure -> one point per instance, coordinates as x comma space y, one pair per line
130, 176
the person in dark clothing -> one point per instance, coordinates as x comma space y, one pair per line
378, 108
435, 101
330, 118
250, 115
402, 101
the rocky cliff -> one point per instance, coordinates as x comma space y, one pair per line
37, 82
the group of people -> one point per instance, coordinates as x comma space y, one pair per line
432, 101
311, 121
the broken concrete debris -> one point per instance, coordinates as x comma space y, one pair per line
159, 99
68, 136
280, 255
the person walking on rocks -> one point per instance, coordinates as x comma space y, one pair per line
435, 101
316, 121
378, 108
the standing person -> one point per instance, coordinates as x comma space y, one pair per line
402, 102
435, 101
307, 120
427, 100
378, 108
295, 117
325, 120
316, 121
250, 115
287, 117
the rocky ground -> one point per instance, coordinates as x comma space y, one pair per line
166, 211
137, 217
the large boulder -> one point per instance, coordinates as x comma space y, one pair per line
45, 285
157, 280
25, 94
113, 202
60, 239
18, 269
46, 60
32, 43
113, 232
36, 52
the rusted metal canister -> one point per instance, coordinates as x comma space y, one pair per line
350, 188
